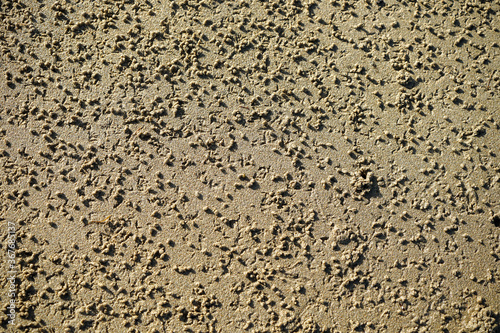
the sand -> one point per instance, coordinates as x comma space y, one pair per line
250, 166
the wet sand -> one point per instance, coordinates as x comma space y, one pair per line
250, 166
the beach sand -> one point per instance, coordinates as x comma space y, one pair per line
250, 166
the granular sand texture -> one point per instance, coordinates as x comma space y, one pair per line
250, 166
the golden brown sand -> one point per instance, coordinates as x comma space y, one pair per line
250, 166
